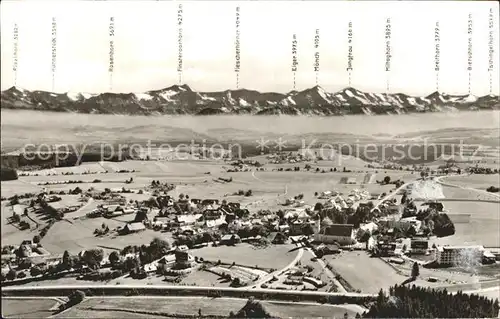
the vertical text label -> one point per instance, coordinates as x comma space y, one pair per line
54, 50
295, 60
437, 52
350, 55
179, 42
388, 56
111, 66
316, 55
491, 48
15, 52
237, 64
469, 49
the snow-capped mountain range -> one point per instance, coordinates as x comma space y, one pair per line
181, 99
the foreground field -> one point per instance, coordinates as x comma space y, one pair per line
170, 307
27, 308
365, 273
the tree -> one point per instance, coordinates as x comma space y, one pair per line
66, 260
93, 257
114, 257
35, 271
76, 297
318, 207
248, 193
415, 271
253, 309
11, 275
158, 247
141, 215
387, 179
36, 239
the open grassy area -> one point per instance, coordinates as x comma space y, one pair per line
27, 308
76, 235
189, 306
273, 256
363, 272
479, 181
483, 228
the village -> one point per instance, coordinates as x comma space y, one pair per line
357, 234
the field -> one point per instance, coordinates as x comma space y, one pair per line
483, 228
273, 256
97, 307
365, 273
478, 181
27, 308
77, 235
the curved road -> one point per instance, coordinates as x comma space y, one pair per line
439, 180
280, 271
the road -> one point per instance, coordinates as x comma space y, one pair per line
392, 194
329, 274
439, 180
280, 271
260, 180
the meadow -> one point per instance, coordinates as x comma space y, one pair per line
27, 308
190, 306
483, 228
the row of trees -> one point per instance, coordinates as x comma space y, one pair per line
418, 302
8, 174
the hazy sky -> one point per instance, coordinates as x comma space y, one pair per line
146, 45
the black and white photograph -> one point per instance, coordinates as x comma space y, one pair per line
250, 159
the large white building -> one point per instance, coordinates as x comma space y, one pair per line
459, 255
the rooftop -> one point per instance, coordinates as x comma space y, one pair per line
338, 230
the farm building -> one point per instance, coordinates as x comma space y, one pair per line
277, 238
166, 262
369, 178
183, 258
385, 248
419, 246
348, 180
133, 228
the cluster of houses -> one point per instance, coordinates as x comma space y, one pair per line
286, 157
339, 201
420, 244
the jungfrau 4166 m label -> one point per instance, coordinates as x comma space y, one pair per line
350, 54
